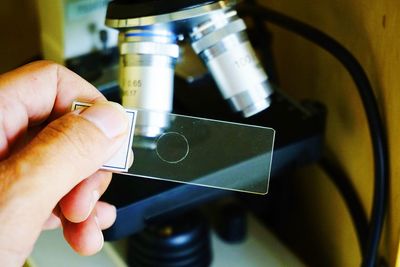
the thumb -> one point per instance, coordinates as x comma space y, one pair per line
73, 147
65, 152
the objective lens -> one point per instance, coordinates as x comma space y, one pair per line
148, 58
223, 45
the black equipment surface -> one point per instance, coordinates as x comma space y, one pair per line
140, 201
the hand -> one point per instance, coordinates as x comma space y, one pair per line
50, 159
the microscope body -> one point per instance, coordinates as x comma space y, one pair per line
151, 39
149, 36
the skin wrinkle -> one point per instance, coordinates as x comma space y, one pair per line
57, 70
4, 148
57, 112
15, 209
46, 109
54, 106
13, 134
58, 78
56, 131
17, 253
80, 143
13, 170
100, 180
11, 103
2, 123
44, 166
53, 114
20, 167
17, 90
5, 181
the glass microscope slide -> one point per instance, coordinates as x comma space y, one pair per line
203, 152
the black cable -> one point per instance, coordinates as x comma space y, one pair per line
264, 40
376, 129
352, 201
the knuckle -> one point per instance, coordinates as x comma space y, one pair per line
46, 64
51, 66
5, 179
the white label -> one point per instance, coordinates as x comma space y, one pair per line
120, 161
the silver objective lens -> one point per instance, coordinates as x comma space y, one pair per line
147, 62
224, 47
149, 52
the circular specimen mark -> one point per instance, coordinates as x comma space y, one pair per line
172, 147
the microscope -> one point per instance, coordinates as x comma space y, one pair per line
153, 38
149, 32
194, 58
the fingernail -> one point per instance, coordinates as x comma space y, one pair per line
115, 209
101, 235
93, 200
108, 116
130, 158
96, 219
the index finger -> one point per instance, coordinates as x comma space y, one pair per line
45, 88
37, 91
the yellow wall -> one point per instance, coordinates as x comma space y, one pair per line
371, 30
19, 33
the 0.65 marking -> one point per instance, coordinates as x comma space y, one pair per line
131, 87
134, 83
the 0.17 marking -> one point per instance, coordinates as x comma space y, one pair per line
131, 87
